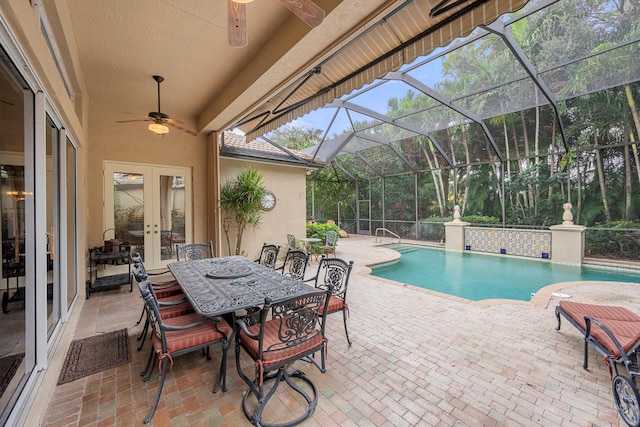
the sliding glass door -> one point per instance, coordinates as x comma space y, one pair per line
16, 110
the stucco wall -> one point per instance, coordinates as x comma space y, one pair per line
133, 142
289, 215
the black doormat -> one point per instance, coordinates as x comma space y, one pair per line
8, 367
90, 355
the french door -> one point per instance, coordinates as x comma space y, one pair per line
149, 208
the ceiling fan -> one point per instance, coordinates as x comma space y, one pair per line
306, 10
161, 120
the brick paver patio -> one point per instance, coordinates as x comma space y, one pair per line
418, 359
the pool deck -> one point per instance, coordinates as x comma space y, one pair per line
419, 358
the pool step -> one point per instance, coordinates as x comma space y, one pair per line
405, 249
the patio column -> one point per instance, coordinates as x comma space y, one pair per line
567, 240
454, 232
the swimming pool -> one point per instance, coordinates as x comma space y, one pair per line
476, 276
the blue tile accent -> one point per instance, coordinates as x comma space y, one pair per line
503, 251
468, 247
545, 255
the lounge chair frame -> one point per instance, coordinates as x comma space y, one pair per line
623, 383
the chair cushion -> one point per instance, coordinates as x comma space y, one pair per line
192, 337
280, 351
335, 304
627, 334
164, 292
623, 323
162, 275
168, 312
577, 311
172, 298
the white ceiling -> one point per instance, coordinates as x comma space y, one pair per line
208, 85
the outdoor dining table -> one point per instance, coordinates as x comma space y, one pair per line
217, 286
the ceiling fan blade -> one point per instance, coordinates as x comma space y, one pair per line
306, 10
182, 128
176, 121
236, 24
132, 121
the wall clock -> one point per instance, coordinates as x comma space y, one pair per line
268, 201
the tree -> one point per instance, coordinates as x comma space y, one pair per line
240, 200
295, 137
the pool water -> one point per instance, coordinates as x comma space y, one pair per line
476, 277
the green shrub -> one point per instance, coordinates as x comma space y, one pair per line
481, 219
473, 219
319, 231
432, 228
612, 243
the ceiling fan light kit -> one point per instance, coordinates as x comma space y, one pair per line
158, 129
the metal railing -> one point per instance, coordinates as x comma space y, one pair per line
386, 231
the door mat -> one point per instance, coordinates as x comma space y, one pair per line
90, 355
8, 367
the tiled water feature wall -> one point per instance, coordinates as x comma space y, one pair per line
525, 243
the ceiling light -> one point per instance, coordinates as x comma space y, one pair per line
242, 1
158, 129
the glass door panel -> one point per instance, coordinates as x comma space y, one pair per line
147, 207
172, 210
16, 104
52, 282
72, 281
128, 210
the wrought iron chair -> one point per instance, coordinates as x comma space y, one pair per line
160, 278
295, 264
170, 304
193, 251
274, 337
331, 239
164, 284
268, 255
292, 242
334, 273
181, 335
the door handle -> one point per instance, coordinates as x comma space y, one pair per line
51, 242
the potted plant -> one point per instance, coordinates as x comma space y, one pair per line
240, 201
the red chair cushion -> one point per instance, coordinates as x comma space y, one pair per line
172, 298
622, 323
164, 292
161, 278
335, 304
168, 312
192, 337
278, 350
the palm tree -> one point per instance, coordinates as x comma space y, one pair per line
240, 200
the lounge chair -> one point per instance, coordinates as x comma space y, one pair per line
615, 333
